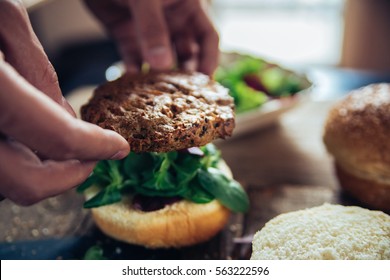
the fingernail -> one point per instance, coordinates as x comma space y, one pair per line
159, 57
119, 155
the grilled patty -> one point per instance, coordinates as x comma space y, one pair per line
162, 112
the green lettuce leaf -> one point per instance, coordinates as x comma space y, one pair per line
247, 97
229, 192
270, 81
164, 175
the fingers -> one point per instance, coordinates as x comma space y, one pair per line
152, 32
145, 29
208, 43
131, 56
189, 17
26, 180
127, 45
35, 120
187, 51
109, 12
139, 29
117, 20
23, 50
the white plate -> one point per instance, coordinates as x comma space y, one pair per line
267, 114
270, 111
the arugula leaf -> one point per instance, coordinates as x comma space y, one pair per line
229, 192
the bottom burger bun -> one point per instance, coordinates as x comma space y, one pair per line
325, 232
180, 224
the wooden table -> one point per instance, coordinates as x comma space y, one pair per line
284, 167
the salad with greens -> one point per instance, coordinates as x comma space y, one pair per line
190, 174
253, 81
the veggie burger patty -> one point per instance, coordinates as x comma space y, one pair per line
163, 112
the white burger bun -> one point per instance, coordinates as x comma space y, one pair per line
327, 232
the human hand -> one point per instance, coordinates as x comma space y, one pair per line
159, 32
44, 149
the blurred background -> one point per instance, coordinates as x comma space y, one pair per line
310, 35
